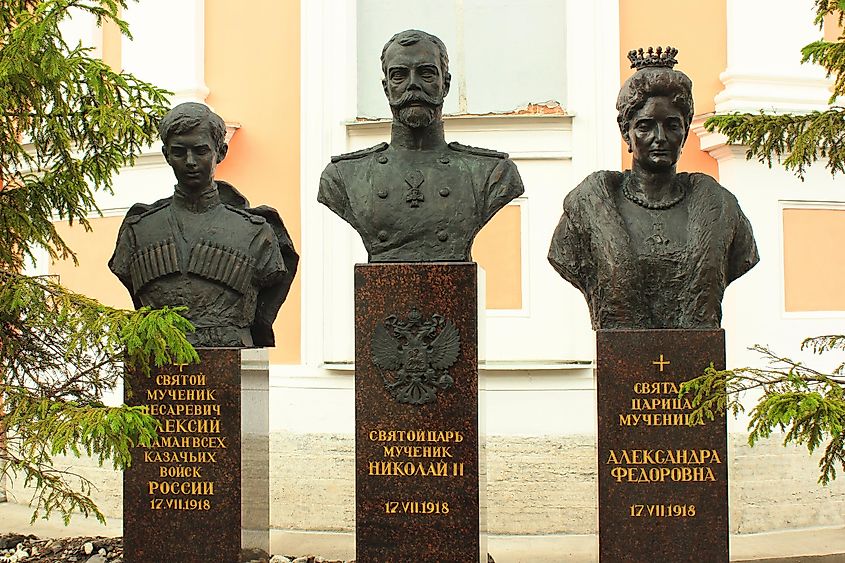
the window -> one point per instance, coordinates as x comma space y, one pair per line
529, 49
813, 259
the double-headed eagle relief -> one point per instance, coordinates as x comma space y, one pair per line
415, 356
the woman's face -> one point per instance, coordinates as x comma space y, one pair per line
656, 134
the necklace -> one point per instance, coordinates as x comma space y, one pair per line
642, 202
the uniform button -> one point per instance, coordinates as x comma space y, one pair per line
382, 159
443, 160
382, 236
442, 236
445, 192
382, 193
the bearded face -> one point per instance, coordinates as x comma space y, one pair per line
414, 83
417, 109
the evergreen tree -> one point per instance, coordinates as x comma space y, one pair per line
68, 123
806, 403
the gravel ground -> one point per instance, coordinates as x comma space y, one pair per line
15, 548
19, 547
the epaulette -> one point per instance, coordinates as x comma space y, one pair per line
253, 218
361, 153
477, 150
140, 210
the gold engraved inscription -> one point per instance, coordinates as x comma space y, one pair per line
416, 454
401, 458
662, 465
656, 403
662, 510
188, 441
416, 507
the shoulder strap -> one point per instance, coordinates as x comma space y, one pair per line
361, 153
477, 150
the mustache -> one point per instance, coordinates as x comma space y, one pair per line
420, 97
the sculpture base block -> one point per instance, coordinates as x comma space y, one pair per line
416, 413
663, 485
182, 496
255, 449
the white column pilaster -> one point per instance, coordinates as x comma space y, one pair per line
764, 41
592, 77
329, 99
168, 46
764, 73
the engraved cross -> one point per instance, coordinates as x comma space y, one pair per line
661, 362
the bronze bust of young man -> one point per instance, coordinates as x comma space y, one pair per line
649, 247
418, 199
204, 247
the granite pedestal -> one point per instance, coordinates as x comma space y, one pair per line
416, 413
663, 485
183, 497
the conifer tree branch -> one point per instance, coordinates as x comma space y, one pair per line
68, 124
794, 141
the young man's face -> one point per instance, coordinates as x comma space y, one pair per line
193, 157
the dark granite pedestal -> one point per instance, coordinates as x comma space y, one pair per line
182, 497
416, 413
663, 485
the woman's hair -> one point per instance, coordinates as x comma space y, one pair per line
654, 77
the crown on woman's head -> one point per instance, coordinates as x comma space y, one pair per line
653, 57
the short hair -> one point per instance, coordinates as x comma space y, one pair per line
189, 115
649, 82
412, 36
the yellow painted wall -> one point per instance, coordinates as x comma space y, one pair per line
813, 259
93, 250
112, 45
699, 31
497, 249
252, 70
831, 28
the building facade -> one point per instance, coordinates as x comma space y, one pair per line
298, 82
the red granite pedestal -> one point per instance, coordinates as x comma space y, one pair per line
182, 496
663, 485
416, 413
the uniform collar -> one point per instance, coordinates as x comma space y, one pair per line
204, 201
424, 138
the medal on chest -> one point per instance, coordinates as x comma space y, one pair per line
413, 195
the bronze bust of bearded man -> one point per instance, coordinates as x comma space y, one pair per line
418, 199
204, 247
649, 247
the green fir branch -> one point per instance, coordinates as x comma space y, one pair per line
830, 56
60, 353
820, 344
794, 141
67, 115
807, 405
68, 124
825, 8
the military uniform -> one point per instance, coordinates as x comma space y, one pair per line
419, 205
219, 260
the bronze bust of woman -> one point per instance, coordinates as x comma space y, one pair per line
651, 247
